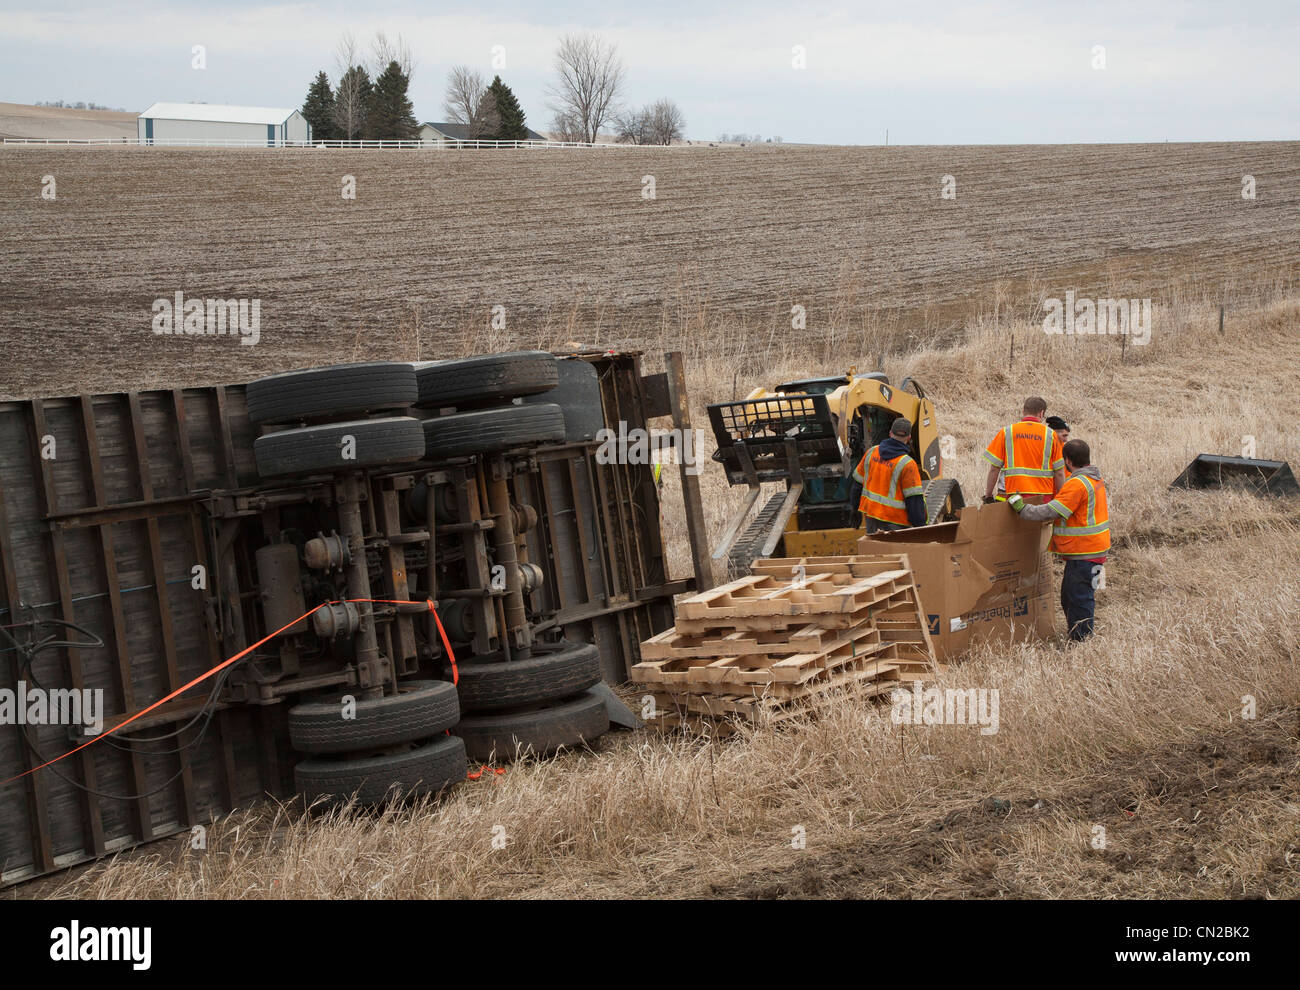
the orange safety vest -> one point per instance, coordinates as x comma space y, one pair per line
1024, 452
1084, 528
886, 485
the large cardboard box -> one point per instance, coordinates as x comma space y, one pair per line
985, 578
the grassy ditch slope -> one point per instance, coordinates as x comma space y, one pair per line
1137, 737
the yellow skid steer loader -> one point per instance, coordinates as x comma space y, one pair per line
808, 436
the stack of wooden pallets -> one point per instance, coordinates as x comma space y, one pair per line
786, 636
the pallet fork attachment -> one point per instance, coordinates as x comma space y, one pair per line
781, 439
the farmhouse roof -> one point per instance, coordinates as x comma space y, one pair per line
218, 113
460, 132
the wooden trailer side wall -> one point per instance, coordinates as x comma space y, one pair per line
96, 528
106, 530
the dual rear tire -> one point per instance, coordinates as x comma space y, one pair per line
338, 392
534, 706
481, 389
536, 731
397, 746
414, 770
375, 749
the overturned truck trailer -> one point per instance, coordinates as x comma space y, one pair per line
148, 537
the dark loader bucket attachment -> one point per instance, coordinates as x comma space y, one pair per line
1218, 471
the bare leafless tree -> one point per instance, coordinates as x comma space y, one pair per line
632, 126
566, 127
383, 51
588, 86
469, 103
660, 122
349, 95
667, 123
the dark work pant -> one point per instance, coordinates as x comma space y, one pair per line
880, 526
1078, 598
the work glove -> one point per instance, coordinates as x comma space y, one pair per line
989, 500
1016, 502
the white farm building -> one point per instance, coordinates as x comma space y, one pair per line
164, 123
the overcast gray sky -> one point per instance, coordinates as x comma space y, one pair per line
931, 72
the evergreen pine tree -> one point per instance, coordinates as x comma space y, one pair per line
390, 115
318, 108
511, 114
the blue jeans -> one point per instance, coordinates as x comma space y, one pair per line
1078, 598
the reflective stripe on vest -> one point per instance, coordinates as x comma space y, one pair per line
889, 500
1093, 526
1012, 471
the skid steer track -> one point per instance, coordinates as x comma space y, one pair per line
943, 496
748, 547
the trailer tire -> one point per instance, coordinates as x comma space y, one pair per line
505, 736
421, 709
340, 389
488, 379
424, 769
489, 431
313, 449
559, 672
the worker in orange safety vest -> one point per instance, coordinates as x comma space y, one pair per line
892, 492
1027, 454
1080, 535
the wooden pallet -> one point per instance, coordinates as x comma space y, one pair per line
794, 670
719, 725
794, 619
788, 635
714, 713
672, 645
865, 683
861, 565
815, 594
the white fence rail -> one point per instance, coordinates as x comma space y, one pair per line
448, 145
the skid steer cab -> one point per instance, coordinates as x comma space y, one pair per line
806, 437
